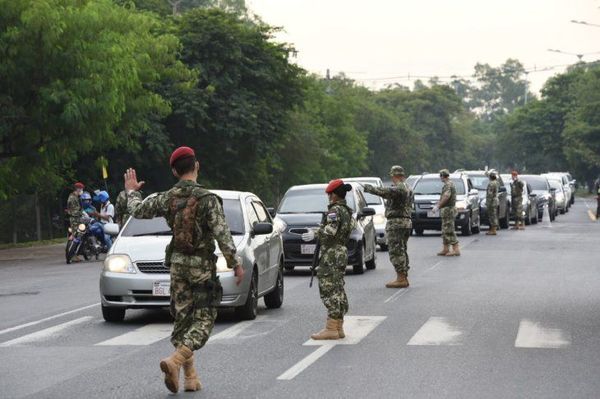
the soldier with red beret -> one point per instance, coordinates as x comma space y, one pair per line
197, 220
333, 235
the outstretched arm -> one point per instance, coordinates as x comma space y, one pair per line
385, 192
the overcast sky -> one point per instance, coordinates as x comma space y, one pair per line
387, 38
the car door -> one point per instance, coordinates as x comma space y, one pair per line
260, 246
502, 199
473, 200
274, 241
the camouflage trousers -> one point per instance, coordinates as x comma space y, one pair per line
397, 239
492, 209
448, 229
332, 266
517, 207
193, 325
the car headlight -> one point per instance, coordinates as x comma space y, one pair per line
118, 264
81, 227
461, 205
222, 263
379, 219
279, 225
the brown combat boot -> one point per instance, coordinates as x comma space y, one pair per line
191, 382
329, 332
522, 226
491, 232
444, 251
455, 251
172, 365
340, 326
400, 282
516, 226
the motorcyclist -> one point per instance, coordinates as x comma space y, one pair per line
106, 215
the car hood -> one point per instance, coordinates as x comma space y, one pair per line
435, 198
151, 247
300, 219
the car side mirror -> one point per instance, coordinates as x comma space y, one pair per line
112, 229
553, 190
366, 212
262, 228
474, 191
533, 195
272, 212
502, 189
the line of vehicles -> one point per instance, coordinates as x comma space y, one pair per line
269, 240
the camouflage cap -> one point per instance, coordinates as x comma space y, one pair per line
444, 172
397, 170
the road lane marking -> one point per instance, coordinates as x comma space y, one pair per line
56, 316
236, 329
533, 335
437, 331
46, 333
355, 327
396, 295
145, 335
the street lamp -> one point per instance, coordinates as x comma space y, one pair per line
585, 23
578, 55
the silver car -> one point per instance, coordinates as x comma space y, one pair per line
135, 277
561, 197
377, 203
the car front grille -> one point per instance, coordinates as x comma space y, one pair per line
153, 267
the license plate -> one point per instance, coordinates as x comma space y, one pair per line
433, 214
308, 249
161, 288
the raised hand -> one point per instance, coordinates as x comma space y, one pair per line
131, 182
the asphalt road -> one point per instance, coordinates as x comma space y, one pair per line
515, 317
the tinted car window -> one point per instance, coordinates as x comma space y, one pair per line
538, 183
433, 186
480, 182
309, 201
233, 215
555, 184
261, 212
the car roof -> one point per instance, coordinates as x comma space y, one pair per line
434, 175
361, 179
472, 172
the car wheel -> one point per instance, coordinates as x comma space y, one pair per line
113, 315
528, 219
477, 228
419, 231
534, 220
249, 310
553, 216
504, 222
562, 211
384, 247
466, 229
359, 268
289, 268
274, 299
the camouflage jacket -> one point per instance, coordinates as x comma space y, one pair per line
491, 196
210, 222
449, 191
516, 188
121, 208
74, 209
399, 199
338, 225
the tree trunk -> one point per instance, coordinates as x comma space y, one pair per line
38, 216
14, 214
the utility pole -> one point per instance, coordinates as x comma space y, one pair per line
526, 85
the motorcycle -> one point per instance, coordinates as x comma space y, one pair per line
87, 240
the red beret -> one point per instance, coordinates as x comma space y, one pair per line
79, 185
333, 185
180, 153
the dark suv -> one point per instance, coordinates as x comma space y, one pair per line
302, 208
427, 190
480, 181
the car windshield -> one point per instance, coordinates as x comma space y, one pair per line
411, 180
433, 186
479, 182
308, 201
159, 226
538, 183
369, 198
555, 184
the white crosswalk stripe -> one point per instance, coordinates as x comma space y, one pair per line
46, 333
534, 335
146, 335
437, 331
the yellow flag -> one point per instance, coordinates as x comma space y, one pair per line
104, 172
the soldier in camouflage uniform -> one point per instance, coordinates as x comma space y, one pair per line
197, 219
447, 208
516, 189
121, 208
74, 209
398, 212
491, 202
333, 235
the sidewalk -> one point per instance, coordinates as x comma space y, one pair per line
30, 253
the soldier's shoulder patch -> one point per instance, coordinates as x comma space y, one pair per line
332, 216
